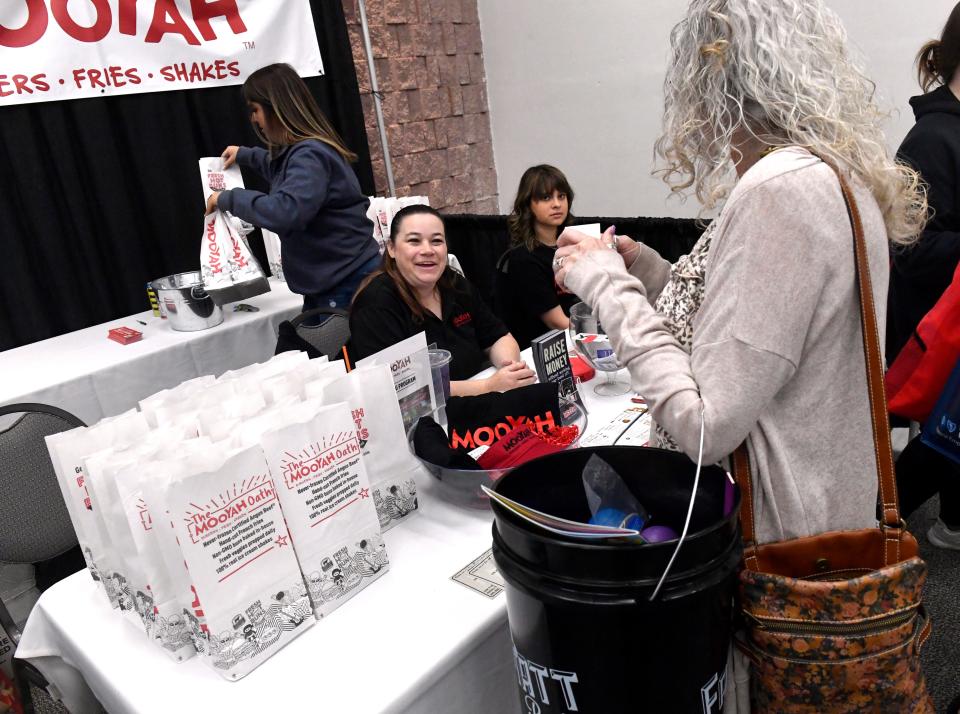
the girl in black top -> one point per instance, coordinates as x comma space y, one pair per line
416, 292
920, 274
527, 296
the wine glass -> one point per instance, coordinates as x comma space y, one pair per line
591, 343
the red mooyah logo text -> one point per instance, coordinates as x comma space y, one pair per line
238, 258
213, 247
119, 16
296, 472
200, 524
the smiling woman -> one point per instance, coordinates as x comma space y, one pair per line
416, 292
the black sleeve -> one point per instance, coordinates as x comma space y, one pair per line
533, 284
487, 326
378, 319
934, 257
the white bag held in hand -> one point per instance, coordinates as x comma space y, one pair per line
320, 477
379, 426
229, 270
250, 596
216, 178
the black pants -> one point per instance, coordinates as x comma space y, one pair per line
922, 473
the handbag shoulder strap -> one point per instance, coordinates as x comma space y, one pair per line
890, 523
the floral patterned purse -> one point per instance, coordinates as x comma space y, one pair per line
834, 622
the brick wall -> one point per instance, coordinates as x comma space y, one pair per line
429, 62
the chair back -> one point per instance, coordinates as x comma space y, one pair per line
36, 525
324, 329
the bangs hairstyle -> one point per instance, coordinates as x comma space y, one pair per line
780, 71
390, 268
536, 182
283, 94
938, 59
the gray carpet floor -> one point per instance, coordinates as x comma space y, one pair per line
941, 665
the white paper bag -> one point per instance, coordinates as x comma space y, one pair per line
409, 363
271, 243
250, 596
383, 439
181, 393
67, 451
229, 270
174, 626
319, 472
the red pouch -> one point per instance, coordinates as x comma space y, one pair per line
516, 447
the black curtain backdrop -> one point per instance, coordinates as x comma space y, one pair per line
479, 241
99, 196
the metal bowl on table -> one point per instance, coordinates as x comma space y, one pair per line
186, 303
462, 486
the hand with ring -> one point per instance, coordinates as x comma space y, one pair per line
572, 244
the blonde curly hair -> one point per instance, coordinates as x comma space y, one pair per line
780, 72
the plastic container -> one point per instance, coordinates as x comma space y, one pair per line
440, 371
586, 636
186, 303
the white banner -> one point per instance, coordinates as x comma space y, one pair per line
71, 49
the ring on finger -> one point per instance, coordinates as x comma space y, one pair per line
558, 262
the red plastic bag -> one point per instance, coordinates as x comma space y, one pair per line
918, 374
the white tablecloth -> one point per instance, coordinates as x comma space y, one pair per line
92, 377
413, 642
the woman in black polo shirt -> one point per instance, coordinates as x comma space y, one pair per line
526, 294
416, 292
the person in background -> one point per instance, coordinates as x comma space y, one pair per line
415, 291
315, 204
920, 274
526, 294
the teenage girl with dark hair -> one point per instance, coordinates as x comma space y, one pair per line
921, 273
526, 294
315, 203
416, 292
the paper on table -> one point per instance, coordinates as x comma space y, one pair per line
620, 430
554, 524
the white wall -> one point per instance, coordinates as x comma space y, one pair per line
578, 85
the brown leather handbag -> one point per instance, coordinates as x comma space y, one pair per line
834, 622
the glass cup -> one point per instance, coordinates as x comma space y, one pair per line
591, 343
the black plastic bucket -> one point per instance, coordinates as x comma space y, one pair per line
586, 636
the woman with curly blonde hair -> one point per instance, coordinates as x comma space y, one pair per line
757, 330
754, 337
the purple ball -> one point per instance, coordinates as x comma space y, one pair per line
658, 534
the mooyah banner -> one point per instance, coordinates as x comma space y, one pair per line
74, 49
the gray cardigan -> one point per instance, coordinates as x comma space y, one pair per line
777, 355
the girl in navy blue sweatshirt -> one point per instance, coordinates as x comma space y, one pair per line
315, 203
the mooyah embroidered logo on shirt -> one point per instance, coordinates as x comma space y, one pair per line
486, 435
462, 319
